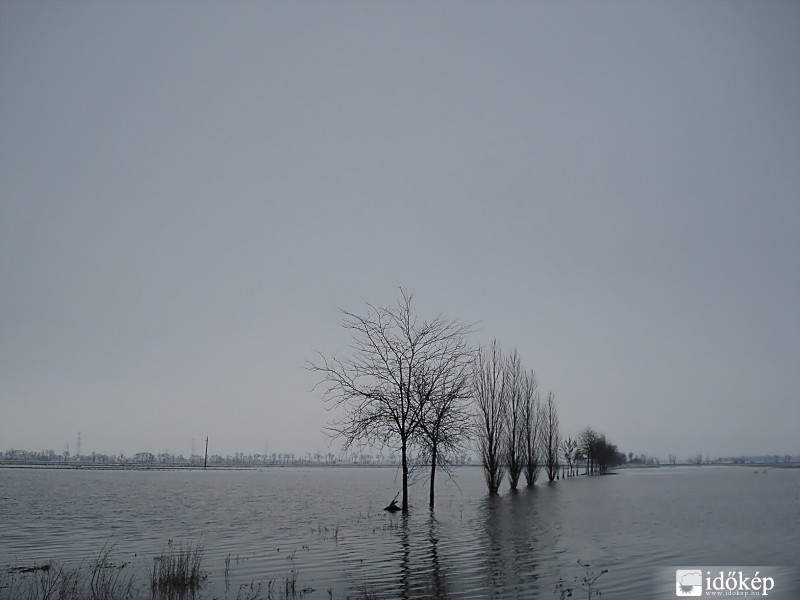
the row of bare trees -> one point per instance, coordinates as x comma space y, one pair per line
598, 453
517, 434
416, 387
590, 448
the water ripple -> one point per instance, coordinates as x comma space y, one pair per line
327, 527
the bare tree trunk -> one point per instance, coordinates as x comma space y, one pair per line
404, 451
434, 458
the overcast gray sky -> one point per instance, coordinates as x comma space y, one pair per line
189, 191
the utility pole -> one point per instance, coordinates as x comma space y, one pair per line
78, 447
205, 461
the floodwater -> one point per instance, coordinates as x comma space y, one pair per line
326, 527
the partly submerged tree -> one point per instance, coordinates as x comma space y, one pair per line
532, 429
587, 442
376, 389
447, 423
550, 436
569, 450
513, 442
488, 389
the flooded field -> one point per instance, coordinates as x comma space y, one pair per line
325, 527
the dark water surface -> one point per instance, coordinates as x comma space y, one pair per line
326, 525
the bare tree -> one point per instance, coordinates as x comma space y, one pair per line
513, 443
588, 440
443, 388
375, 388
532, 428
488, 388
550, 436
569, 449
578, 456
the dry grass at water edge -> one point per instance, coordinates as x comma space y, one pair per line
99, 580
177, 570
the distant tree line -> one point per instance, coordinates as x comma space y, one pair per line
236, 459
